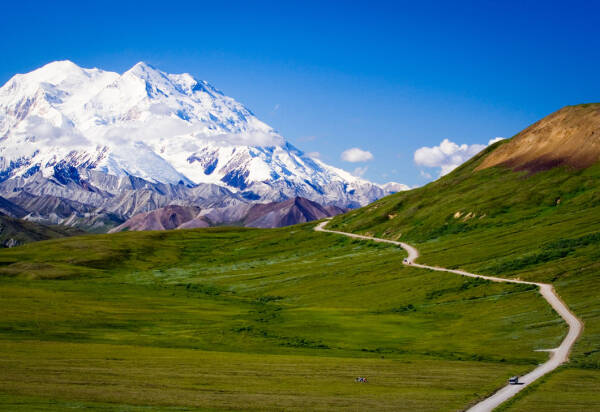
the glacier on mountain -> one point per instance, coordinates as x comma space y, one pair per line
67, 126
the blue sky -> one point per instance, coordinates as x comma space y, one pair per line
386, 77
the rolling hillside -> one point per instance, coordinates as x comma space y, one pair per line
528, 207
248, 319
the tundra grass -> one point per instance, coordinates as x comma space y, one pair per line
254, 319
543, 227
160, 377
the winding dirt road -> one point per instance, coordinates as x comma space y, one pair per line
558, 356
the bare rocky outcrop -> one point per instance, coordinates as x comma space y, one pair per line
11, 243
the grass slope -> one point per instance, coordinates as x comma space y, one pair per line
542, 227
253, 319
17, 231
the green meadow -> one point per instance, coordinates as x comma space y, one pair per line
543, 227
249, 319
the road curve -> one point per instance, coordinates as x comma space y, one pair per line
558, 356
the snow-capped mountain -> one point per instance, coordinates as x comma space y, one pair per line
94, 130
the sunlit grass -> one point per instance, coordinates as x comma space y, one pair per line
543, 227
243, 318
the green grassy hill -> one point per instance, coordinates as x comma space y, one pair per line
541, 226
253, 319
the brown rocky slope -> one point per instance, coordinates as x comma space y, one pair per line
263, 215
165, 218
569, 137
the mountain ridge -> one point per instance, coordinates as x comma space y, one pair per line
14, 231
259, 215
108, 146
169, 128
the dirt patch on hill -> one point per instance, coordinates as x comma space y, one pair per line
569, 137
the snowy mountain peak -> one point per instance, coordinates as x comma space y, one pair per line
164, 128
57, 73
61, 65
143, 66
147, 72
183, 83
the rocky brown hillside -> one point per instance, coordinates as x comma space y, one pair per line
288, 212
263, 215
569, 137
165, 218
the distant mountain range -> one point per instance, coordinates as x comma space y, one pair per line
15, 231
266, 215
92, 148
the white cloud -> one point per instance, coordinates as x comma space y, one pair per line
356, 155
495, 139
45, 134
447, 156
314, 155
276, 107
425, 174
160, 109
252, 138
161, 129
360, 171
394, 187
